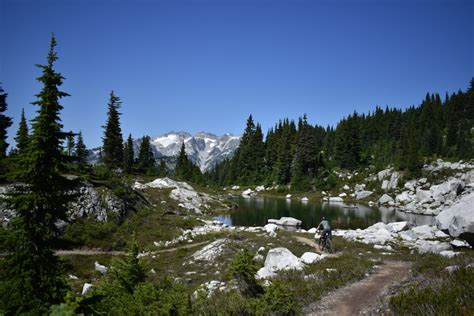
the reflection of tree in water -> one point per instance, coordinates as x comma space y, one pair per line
256, 211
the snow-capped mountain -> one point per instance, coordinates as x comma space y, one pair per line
204, 149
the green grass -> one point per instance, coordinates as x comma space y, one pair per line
435, 291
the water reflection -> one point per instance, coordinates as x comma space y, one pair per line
256, 211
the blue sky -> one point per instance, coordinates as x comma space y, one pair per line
206, 65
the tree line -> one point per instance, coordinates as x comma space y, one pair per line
302, 155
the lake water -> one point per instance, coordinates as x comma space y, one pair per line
256, 211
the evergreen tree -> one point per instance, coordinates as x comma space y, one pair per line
347, 143
5, 123
112, 149
30, 272
182, 165
81, 151
22, 134
162, 171
146, 160
70, 144
129, 155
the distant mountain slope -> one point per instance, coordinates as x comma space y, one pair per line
204, 149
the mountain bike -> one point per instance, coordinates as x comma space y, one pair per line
325, 244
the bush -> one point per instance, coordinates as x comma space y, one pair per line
243, 268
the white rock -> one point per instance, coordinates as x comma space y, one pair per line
456, 243
458, 219
270, 228
261, 249
235, 187
310, 257
404, 197
359, 187
152, 271
346, 187
260, 188
451, 269
285, 221
385, 185
85, 288
447, 190
384, 173
363, 194
312, 230
423, 194
304, 199
258, 257
73, 277
396, 227
343, 195
410, 185
384, 199
448, 254
424, 231
248, 192
335, 199
210, 252
98, 267
429, 246
288, 196
279, 259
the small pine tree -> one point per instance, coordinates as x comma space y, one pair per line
5, 123
22, 134
70, 144
146, 160
129, 155
112, 149
162, 171
81, 151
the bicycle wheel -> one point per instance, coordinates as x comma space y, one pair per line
329, 245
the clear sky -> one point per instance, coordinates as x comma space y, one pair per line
206, 65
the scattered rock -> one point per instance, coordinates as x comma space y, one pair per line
385, 199
210, 252
85, 288
98, 267
311, 257
363, 194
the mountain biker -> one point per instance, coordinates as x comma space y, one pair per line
326, 230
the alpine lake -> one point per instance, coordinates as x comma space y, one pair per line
255, 211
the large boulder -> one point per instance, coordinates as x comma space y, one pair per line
458, 220
285, 221
279, 259
248, 193
363, 194
311, 257
384, 173
384, 199
404, 197
392, 183
447, 190
335, 199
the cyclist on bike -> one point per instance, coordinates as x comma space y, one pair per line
326, 230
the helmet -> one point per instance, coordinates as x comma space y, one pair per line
324, 218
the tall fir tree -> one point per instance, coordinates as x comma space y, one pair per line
128, 155
5, 123
22, 134
146, 160
70, 144
31, 274
81, 151
162, 169
182, 164
112, 149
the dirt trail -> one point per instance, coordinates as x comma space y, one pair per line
361, 297
91, 252
314, 244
